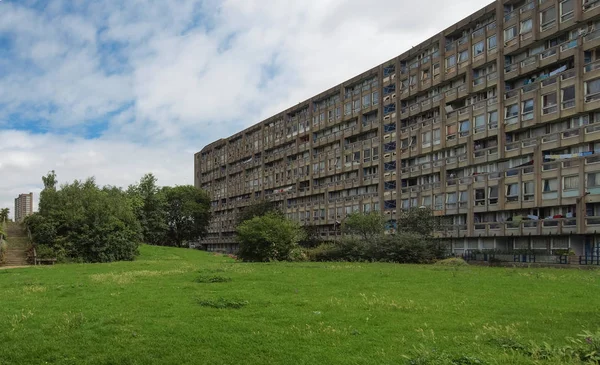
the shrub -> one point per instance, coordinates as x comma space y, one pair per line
405, 248
45, 252
268, 237
325, 252
452, 261
3, 248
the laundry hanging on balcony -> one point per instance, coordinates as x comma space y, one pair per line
568, 155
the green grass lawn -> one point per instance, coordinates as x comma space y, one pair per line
177, 306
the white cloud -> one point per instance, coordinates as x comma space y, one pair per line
169, 77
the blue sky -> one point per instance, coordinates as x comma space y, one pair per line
115, 89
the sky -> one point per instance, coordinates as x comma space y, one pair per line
116, 89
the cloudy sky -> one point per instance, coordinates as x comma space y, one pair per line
115, 89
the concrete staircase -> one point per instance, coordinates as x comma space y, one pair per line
16, 254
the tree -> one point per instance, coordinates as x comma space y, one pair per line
85, 222
150, 207
367, 225
268, 237
256, 209
416, 220
187, 213
4, 214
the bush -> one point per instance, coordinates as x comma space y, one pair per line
45, 252
3, 248
325, 252
452, 261
402, 248
82, 221
405, 248
270, 237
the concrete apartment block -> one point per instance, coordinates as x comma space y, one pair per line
493, 123
23, 206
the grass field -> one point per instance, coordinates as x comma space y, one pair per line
177, 306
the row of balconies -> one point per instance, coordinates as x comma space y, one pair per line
545, 227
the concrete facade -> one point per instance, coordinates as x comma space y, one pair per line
23, 206
493, 123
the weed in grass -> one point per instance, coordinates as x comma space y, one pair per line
212, 279
421, 355
34, 289
70, 321
222, 303
375, 302
17, 320
130, 276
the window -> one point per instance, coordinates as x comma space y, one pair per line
592, 90
593, 180
547, 18
375, 98
479, 123
338, 112
425, 75
527, 109
356, 105
426, 139
436, 70
439, 202
549, 103
510, 33
493, 119
512, 192
493, 195
571, 182
492, 42
366, 100
436, 136
526, 26
451, 131
348, 108
478, 48
427, 201
356, 156
568, 97
511, 111
451, 198
550, 185
367, 155
412, 80
450, 61
463, 56
528, 190
464, 127
566, 10
375, 153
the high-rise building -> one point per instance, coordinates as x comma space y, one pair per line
494, 124
23, 206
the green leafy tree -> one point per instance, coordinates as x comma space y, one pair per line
417, 220
43, 230
86, 222
4, 214
187, 213
150, 207
268, 237
257, 209
365, 225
